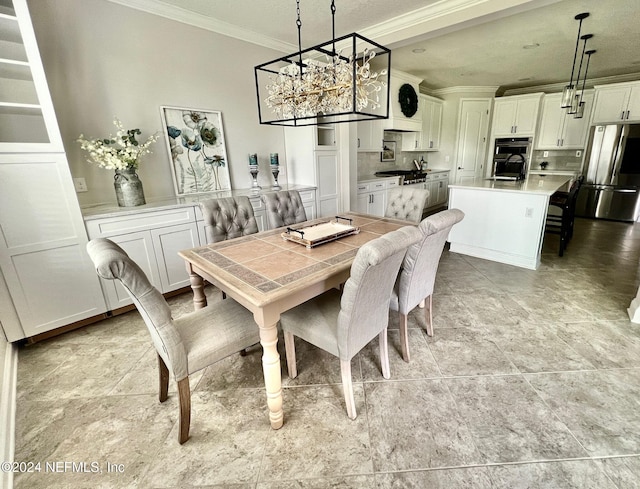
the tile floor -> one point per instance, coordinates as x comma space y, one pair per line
532, 379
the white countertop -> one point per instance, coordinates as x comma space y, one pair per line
373, 177
533, 184
111, 209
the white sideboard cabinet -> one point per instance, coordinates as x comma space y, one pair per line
152, 240
46, 277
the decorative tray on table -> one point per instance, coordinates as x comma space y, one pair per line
318, 234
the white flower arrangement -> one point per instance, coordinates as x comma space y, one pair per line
117, 153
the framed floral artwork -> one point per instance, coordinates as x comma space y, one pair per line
195, 141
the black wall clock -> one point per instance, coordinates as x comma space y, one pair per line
408, 100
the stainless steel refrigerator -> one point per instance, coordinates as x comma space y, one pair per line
611, 188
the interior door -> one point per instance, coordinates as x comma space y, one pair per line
472, 139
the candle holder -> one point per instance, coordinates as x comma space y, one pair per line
275, 169
253, 169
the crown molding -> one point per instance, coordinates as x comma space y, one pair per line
443, 15
179, 14
558, 87
471, 90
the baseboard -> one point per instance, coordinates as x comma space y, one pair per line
9, 377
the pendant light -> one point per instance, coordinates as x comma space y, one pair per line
575, 101
580, 111
569, 90
337, 81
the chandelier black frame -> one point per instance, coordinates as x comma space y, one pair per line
352, 50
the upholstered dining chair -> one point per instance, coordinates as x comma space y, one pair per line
344, 324
284, 208
418, 273
184, 345
406, 203
228, 217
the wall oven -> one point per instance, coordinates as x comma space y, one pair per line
510, 158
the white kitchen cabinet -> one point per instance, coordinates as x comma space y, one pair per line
152, 240
615, 103
516, 116
372, 196
431, 123
319, 168
559, 130
370, 135
437, 183
428, 139
46, 276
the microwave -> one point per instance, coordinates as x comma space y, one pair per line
505, 147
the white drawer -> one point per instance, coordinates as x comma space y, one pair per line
375, 186
111, 226
363, 187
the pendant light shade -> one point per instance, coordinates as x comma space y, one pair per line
580, 109
577, 95
342, 80
569, 92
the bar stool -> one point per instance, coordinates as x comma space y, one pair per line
562, 223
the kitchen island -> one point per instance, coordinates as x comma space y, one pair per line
504, 220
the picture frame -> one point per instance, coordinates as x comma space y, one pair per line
195, 142
388, 152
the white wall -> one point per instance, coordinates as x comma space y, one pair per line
104, 60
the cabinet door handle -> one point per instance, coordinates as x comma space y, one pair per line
416, 143
358, 142
557, 142
622, 115
627, 115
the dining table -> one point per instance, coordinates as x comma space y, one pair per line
269, 275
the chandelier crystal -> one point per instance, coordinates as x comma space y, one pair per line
322, 84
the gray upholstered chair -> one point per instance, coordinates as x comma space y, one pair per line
284, 208
418, 273
343, 325
228, 217
406, 203
184, 345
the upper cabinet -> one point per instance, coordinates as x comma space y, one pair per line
516, 116
619, 102
26, 110
370, 135
404, 105
559, 130
428, 139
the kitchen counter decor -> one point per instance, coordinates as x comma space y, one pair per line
122, 154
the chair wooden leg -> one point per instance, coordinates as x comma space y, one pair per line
290, 351
404, 336
428, 315
164, 380
347, 387
184, 394
384, 354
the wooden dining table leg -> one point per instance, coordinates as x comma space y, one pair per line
271, 369
197, 285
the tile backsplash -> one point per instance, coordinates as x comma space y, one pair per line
559, 160
369, 162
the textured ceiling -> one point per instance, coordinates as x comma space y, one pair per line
486, 50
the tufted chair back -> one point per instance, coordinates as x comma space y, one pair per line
406, 203
284, 208
226, 218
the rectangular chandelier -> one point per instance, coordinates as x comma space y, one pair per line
345, 79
